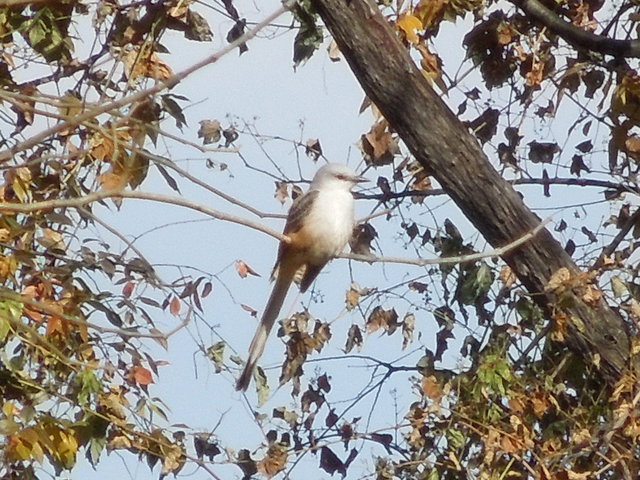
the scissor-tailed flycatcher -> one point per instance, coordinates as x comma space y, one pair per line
319, 225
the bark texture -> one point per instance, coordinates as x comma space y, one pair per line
440, 142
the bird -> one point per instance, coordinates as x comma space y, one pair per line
319, 225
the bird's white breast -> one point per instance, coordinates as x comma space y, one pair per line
330, 223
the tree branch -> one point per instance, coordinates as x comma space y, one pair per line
422, 262
8, 208
579, 38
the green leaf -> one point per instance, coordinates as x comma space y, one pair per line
475, 284
172, 108
216, 353
455, 438
309, 36
95, 448
88, 383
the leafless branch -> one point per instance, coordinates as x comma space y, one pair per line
421, 262
114, 194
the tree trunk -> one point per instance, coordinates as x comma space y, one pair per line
440, 142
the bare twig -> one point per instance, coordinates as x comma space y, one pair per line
421, 262
104, 194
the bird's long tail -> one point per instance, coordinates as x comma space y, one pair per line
271, 311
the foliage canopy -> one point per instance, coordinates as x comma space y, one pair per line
510, 388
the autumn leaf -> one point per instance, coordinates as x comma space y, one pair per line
141, 375
408, 24
431, 388
140, 64
408, 326
558, 280
379, 145
127, 290
282, 192
354, 339
249, 309
274, 461
210, 131
244, 270
174, 306
382, 319
313, 149
353, 296
362, 238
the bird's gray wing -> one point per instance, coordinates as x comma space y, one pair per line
299, 210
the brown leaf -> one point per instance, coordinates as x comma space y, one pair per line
408, 326
274, 461
354, 339
558, 280
282, 192
330, 462
379, 145
244, 270
313, 149
408, 24
210, 131
353, 296
145, 64
361, 239
381, 318
247, 308
542, 152
429, 11
507, 277
431, 388
485, 126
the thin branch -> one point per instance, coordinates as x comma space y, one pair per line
8, 208
229, 198
46, 205
141, 95
607, 251
421, 262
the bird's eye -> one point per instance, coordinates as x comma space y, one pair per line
341, 176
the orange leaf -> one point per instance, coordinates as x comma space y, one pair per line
141, 375
243, 269
174, 306
127, 290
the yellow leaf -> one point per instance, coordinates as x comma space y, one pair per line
408, 24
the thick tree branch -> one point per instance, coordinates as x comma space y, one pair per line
440, 142
579, 38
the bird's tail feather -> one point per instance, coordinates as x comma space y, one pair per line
271, 311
